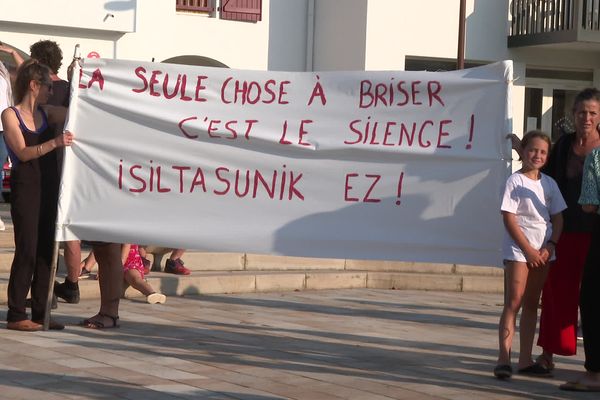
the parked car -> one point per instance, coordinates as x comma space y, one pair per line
6, 180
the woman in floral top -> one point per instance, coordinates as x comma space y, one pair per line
589, 303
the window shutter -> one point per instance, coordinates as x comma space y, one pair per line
241, 10
194, 5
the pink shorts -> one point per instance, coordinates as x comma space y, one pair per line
134, 260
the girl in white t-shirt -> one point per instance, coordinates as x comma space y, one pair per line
531, 210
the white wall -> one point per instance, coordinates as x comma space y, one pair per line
486, 29
288, 35
116, 16
348, 34
162, 33
159, 32
340, 35
379, 34
429, 28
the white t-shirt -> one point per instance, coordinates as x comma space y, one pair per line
533, 202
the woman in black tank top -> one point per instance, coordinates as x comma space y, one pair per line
34, 184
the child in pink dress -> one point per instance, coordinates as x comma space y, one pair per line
133, 273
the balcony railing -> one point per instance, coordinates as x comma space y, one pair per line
204, 6
553, 21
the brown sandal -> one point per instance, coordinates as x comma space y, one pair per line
92, 323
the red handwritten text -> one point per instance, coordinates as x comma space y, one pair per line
216, 129
422, 134
365, 197
251, 92
278, 184
97, 77
301, 133
161, 85
398, 94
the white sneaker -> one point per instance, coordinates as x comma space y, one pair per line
2, 226
155, 298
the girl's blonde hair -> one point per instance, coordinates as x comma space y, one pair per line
535, 134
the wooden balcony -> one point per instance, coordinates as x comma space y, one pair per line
555, 22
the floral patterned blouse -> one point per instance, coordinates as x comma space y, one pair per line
590, 187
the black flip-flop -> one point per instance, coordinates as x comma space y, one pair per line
503, 371
92, 323
536, 370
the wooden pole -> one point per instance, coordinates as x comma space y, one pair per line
53, 268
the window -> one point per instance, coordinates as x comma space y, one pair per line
203, 6
533, 109
241, 10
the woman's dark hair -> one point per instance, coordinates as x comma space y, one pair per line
586, 94
529, 136
30, 70
47, 52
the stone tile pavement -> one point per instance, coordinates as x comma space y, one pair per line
328, 344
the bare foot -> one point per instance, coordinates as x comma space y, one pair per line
590, 379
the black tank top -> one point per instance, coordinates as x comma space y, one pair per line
44, 168
32, 138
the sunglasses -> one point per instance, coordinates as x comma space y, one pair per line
47, 84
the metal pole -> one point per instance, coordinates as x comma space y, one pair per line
460, 60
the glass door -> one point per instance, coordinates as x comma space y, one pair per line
533, 109
548, 105
562, 113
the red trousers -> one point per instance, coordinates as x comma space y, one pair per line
560, 297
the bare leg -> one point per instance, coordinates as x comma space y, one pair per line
515, 279
142, 251
73, 259
110, 271
177, 254
529, 314
134, 279
546, 360
89, 262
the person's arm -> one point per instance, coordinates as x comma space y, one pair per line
515, 143
589, 198
589, 208
125, 247
533, 256
71, 69
550, 245
15, 141
14, 53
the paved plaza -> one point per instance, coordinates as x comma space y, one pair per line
329, 344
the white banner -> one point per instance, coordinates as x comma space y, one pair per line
387, 165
